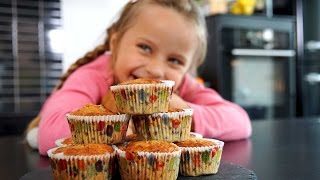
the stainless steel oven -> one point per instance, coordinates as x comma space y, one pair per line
309, 53
311, 83
251, 61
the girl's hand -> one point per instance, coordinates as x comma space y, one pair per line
177, 102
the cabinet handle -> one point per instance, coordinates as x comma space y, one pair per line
313, 45
263, 52
312, 78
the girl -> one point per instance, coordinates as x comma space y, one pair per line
159, 39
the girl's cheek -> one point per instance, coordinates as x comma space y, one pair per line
178, 80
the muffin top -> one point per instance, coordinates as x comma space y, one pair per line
92, 110
84, 149
171, 109
141, 81
67, 141
151, 146
109, 102
195, 142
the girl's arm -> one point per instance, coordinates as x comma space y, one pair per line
213, 116
81, 87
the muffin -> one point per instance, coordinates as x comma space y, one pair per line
143, 96
195, 135
109, 102
149, 160
95, 124
63, 142
200, 156
171, 126
82, 161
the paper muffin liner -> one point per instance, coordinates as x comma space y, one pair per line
148, 165
169, 126
195, 135
108, 129
143, 98
62, 142
81, 167
196, 161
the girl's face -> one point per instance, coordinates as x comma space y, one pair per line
161, 44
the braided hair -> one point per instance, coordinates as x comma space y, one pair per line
88, 57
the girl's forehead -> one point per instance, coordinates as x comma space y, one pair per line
159, 12
160, 19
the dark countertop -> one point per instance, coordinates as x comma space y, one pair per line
286, 149
283, 149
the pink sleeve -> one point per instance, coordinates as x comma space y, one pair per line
82, 87
213, 116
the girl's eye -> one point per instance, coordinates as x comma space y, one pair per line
145, 48
175, 61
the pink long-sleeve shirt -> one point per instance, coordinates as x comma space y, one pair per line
213, 116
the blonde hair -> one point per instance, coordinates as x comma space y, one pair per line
187, 8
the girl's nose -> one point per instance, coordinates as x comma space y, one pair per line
155, 69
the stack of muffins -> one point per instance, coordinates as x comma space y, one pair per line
89, 154
161, 147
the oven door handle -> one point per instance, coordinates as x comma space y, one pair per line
312, 78
313, 45
264, 52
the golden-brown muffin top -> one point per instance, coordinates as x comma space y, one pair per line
67, 141
141, 81
195, 142
92, 110
84, 149
151, 146
109, 102
171, 109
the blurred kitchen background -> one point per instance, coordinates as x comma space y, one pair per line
262, 54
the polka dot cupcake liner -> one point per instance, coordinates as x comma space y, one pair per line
195, 135
170, 126
148, 165
143, 98
108, 129
81, 167
196, 161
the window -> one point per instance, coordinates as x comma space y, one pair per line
29, 66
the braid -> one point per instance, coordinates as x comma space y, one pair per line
90, 56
